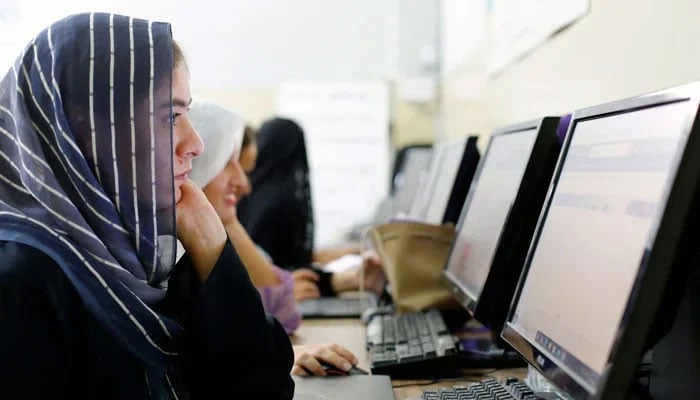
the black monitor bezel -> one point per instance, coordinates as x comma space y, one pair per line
514, 238
466, 171
665, 252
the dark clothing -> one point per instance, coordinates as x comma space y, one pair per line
278, 214
324, 282
51, 346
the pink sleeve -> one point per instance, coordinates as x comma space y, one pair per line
279, 301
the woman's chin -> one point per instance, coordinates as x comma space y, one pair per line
228, 216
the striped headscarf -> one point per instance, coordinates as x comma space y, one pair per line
86, 172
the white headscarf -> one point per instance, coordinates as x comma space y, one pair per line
222, 133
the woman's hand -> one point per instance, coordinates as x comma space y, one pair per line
372, 276
308, 358
199, 229
305, 284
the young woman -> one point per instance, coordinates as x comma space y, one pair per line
223, 180
278, 214
95, 150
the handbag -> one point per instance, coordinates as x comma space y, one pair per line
413, 257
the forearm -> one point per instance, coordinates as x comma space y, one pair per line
260, 270
324, 256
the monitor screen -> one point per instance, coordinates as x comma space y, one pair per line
434, 193
598, 225
487, 206
408, 180
447, 173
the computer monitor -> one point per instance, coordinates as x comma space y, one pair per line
463, 181
499, 217
407, 180
400, 162
611, 239
435, 191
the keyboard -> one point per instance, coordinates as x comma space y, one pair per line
413, 345
488, 389
336, 307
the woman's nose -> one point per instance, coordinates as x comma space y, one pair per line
189, 143
240, 179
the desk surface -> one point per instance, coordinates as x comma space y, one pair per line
350, 333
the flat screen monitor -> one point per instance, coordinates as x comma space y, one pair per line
499, 216
407, 181
434, 194
610, 234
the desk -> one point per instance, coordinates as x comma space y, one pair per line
350, 333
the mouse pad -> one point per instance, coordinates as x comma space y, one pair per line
351, 387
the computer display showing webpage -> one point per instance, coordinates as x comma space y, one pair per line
437, 176
419, 206
488, 204
608, 196
447, 173
416, 163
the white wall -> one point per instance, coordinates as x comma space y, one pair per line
621, 48
257, 43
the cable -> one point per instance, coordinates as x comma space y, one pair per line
470, 377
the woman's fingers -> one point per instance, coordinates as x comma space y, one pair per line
305, 274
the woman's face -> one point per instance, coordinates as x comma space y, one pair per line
229, 186
249, 157
186, 141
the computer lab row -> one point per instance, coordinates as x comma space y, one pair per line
574, 251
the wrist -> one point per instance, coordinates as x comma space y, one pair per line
204, 242
345, 281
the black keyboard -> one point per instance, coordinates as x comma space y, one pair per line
488, 389
414, 345
335, 307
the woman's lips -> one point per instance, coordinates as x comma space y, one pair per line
231, 199
183, 176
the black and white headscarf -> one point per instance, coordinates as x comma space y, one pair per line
86, 170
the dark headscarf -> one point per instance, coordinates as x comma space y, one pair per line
278, 214
86, 172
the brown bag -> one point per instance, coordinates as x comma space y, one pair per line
413, 256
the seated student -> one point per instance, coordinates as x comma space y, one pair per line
222, 179
95, 148
279, 214
281, 196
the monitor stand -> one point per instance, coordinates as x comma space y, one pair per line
480, 347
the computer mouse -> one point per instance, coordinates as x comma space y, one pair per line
335, 371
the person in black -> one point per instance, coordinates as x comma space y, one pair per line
95, 150
278, 214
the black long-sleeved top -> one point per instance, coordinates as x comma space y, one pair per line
52, 347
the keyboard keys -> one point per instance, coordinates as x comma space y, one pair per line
411, 345
488, 389
388, 329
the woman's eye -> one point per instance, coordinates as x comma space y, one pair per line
171, 119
